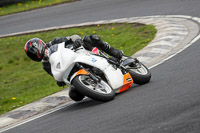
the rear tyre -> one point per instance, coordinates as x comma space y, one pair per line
141, 74
98, 91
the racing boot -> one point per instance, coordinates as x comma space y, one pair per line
75, 95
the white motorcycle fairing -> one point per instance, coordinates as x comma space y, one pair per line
63, 60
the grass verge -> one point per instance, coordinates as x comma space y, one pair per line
29, 5
23, 81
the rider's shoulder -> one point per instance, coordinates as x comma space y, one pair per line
73, 37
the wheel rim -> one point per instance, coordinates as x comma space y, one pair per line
101, 87
141, 69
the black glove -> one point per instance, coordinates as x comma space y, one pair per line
78, 43
57, 40
61, 84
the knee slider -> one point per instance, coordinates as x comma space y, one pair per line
87, 42
95, 38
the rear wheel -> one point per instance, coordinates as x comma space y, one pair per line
100, 91
140, 73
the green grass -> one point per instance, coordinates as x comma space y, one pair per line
29, 5
23, 81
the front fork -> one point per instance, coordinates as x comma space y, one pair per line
85, 71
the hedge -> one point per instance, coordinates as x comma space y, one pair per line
9, 2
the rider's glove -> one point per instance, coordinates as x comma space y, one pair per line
58, 40
61, 84
78, 43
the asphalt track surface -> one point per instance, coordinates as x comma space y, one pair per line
170, 103
93, 10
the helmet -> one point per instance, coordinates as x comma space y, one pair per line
35, 49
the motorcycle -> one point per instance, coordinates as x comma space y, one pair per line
95, 74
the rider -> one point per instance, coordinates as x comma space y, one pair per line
38, 51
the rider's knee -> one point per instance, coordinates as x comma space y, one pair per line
88, 44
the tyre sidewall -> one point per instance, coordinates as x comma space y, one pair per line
92, 94
139, 78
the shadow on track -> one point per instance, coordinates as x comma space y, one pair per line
86, 103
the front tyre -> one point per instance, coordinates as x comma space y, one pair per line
100, 91
140, 74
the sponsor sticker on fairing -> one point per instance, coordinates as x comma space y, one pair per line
94, 60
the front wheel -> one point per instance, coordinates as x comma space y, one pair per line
140, 74
100, 91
